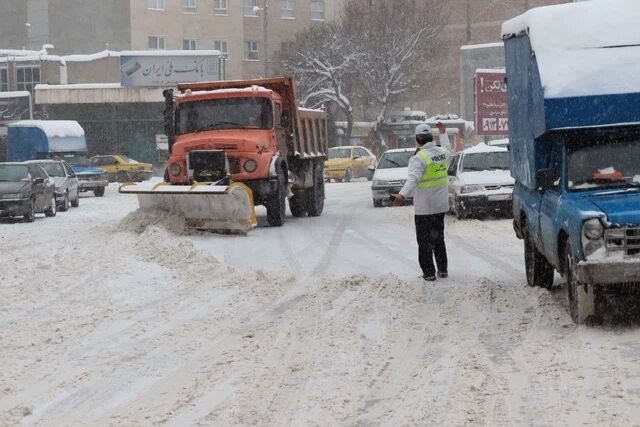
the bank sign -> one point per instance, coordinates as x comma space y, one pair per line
166, 68
492, 116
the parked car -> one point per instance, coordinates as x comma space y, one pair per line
26, 189
480, 181
390, 175
66, 182
349, 162
121, 168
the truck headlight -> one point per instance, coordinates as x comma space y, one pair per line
250, 166
593, 229
175, 169
471, 188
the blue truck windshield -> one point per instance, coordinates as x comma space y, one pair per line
224, 113
604, 164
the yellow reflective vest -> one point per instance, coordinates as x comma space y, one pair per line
436, 172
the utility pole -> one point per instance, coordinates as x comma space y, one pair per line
265, 18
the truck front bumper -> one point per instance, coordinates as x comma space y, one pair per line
623, 271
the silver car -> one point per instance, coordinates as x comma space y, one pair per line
66, 182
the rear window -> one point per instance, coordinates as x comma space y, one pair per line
53, 169
340, 153
497, 160
13, 173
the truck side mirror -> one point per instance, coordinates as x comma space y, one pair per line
545, 179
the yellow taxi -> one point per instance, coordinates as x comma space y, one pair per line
121, 168
348, 162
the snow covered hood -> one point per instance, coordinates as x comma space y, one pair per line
579, 45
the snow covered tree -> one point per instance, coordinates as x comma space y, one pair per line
323, 60
397, 41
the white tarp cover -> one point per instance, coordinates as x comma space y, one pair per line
586, 48
53, 128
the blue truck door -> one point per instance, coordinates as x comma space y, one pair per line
549, 206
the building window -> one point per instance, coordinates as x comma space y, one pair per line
189, 44
317, 10
157, 42
188, 6
222, 46
287, 9
4, 80
220, 7
155, 4
248, 7
27, 77
251, 52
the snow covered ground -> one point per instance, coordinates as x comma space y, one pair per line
105, 321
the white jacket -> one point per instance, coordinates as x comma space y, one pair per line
427, 200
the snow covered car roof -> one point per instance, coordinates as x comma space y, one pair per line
484, 148
399, 150
577, 46
53, 128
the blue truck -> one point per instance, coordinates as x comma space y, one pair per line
574, 128
55, 139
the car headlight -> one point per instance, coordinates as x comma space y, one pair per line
593, 229
377, 182
250, 166
175, 169
471, 188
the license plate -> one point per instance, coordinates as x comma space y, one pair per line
498, 197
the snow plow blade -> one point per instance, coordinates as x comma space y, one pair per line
220, 208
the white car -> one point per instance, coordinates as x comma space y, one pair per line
480, 181
390, 175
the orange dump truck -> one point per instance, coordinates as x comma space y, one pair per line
235, 144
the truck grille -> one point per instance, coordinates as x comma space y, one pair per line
624, 238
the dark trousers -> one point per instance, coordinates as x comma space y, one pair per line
430, 235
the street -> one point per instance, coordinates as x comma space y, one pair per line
111, 316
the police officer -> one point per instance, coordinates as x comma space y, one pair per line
428, 181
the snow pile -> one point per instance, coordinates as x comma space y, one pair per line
139, 220
576, 59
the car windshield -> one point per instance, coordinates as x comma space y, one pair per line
13, 173
490, 160
127, 159
224, 113
53, 169
340, 153
74, 159
395, 160
603, 164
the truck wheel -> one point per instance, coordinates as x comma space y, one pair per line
52, 209
539, 271
65, 203
30, 216
99, 192
348, 175
277, 205
582, 301
297, 205
315, 195
76, 201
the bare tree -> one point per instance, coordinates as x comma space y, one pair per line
397, 39
322, 60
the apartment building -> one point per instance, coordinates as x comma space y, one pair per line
236, 27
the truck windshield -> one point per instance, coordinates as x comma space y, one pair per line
224, 113
395, 160
340, 153
603, 164
13, 173
491, 160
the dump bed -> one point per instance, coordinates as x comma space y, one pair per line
307, 128
569, 66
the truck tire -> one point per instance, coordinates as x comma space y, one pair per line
276, 206
297, 205
65, 203
315, 195
538, 270
52, 209
582, 298
99, 192
30, 216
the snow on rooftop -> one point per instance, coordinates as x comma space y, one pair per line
44, 86
228, 90
170, 52
53, 128
15, 94
482, 46
490, 70
597, 54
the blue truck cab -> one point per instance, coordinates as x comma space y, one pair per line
574, 124
49, 139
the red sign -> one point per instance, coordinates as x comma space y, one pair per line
492, 116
